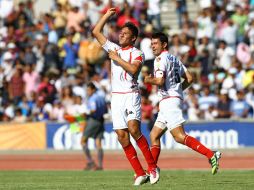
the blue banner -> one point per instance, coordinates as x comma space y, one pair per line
215, 135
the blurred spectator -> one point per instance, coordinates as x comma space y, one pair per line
26, 106
126, 17
145, 46
57, 113
146, 109
16, 86
46, 90
38, 111
59, 16
71, 49
224, 55
229, 34
31, 79
29, 57
7, 65
19, 117
207, 99
211, 113
205, 26
50, 53
239, 107
224, 105
243, 53
191, 102
176, 45
6, 7
67, 97
181, 8
240, 19
153, 13
94, 11
75, 18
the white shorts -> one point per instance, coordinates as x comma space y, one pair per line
125, 107
170, 115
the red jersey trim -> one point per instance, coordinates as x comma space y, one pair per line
126, 48
139, 58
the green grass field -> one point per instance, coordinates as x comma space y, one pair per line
117, 180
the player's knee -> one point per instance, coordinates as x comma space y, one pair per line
83, 141
179, 139
153, 137
122, 138
135, 134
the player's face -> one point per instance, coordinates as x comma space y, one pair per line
157, 46
125, 37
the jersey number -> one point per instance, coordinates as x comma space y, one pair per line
177, 76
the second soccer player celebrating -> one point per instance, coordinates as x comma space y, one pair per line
168, 72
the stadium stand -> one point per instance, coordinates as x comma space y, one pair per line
47, 58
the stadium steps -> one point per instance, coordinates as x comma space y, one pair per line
169, 16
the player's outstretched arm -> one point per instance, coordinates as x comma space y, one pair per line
97, 31
188, 79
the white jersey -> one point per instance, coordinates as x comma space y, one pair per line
172, 69
121, 80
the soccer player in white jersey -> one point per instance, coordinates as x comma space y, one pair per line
168, 74
126, 62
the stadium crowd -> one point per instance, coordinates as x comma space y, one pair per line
46, 61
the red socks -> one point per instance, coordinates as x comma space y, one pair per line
144, 147
131, 154
197, 146
155, 150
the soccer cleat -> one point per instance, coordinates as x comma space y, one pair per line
154, 175
97, 168
214, 161
139, 180
90, 166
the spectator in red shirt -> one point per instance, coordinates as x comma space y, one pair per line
16, 86
147, 108
126, 17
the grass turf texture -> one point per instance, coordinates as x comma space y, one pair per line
117, 180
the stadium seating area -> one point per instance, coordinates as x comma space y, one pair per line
47, 60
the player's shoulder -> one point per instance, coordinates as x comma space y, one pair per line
134, 49
171, 58
112, 45
137, 52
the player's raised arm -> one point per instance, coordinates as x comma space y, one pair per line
97, 31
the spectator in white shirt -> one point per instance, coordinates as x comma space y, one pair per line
153, 13
224, 55
229, 33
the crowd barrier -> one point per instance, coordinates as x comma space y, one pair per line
59, 136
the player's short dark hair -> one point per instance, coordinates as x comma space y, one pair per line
132, 28
91, 85
162, 37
